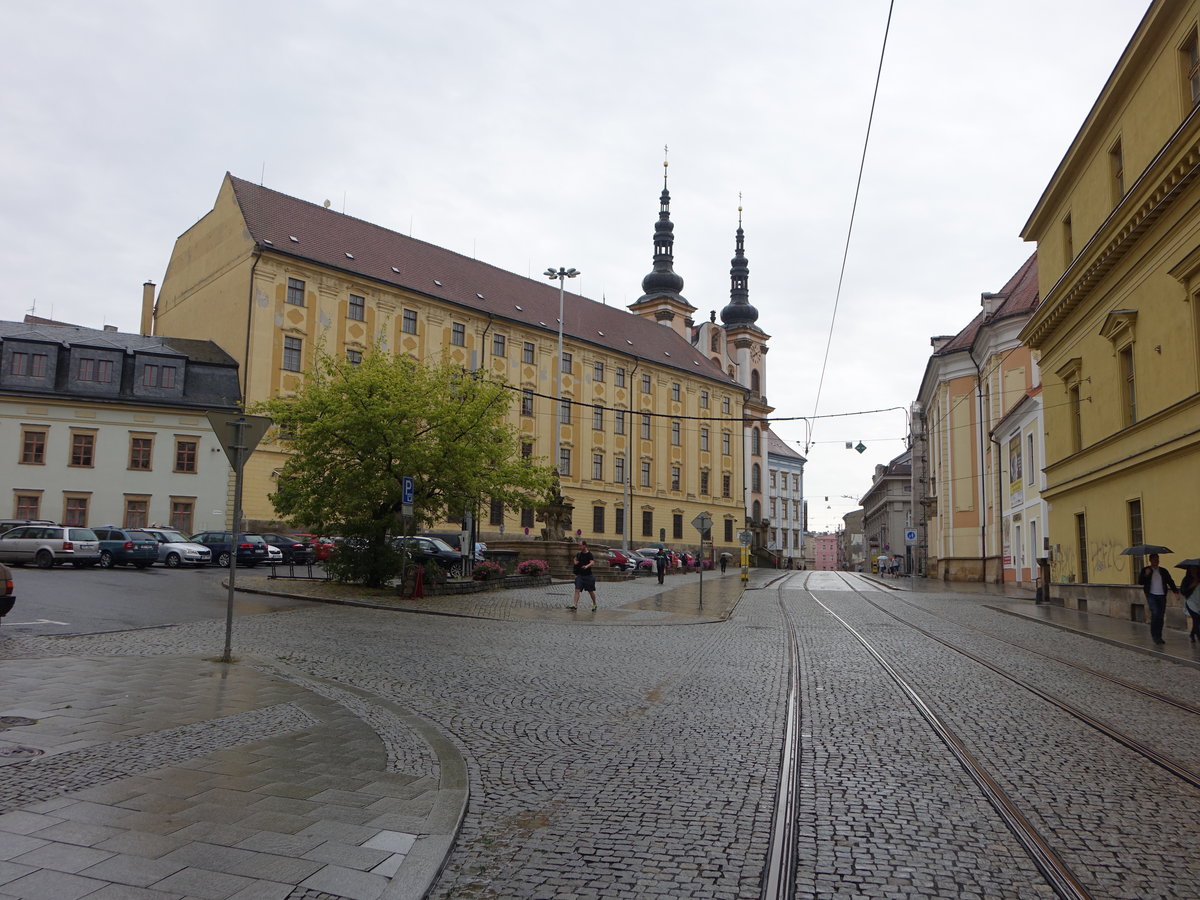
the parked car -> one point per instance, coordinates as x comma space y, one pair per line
9, 597
627, 560
454, 540
295, 551
423, 549
274, 555
126, 547
251, 548
7, 525
175, 549
321, 547
47, 545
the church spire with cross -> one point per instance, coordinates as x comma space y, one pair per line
739, 312
662, 299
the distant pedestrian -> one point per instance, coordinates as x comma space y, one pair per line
724, 562
1190, 588
1155, 582
585, 578
660, 563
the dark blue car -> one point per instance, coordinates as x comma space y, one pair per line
251, 548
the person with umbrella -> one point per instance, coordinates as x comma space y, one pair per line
660, 563
725, 558
1190, 588
1155, 582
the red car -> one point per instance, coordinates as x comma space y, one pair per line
322, 547
626, 560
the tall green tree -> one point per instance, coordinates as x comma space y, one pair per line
354, 431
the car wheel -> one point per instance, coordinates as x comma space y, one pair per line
455, 571
106, 560
44, 559
223, 560
173, 560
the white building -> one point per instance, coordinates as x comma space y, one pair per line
785, 501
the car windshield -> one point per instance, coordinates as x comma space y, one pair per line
174, 537
441, 545
81, 534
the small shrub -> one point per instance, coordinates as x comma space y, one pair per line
533, 567
487, 570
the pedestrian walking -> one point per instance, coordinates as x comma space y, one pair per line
585, 578
724, 562
1155, 582
660, 563
1190, 589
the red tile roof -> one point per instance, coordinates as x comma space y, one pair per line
1020, 298
332, 239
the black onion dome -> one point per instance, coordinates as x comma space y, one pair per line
663, 279
739, 311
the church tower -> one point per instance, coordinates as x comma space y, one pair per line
661, 299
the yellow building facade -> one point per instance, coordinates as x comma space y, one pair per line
1118, 329
651, 421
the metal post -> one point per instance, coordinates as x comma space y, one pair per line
239, 461
560, 274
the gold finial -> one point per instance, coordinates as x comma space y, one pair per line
739, 209
665, 164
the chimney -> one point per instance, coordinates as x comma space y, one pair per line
110, 328
147, 325
991, 302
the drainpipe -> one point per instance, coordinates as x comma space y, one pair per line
982, 479
629, 462
249, 316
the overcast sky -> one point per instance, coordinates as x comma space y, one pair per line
530, 133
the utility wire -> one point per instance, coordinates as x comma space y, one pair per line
850, 230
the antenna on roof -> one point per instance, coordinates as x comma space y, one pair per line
262, 174
343, 203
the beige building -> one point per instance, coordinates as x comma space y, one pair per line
1118, 330
660, 419
887, 508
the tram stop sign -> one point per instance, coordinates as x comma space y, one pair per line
702, 523
236, 431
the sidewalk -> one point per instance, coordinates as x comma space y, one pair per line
149, 778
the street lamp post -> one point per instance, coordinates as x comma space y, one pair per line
561, 275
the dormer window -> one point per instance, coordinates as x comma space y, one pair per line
91, 369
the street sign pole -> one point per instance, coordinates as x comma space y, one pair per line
702, 523
238, 436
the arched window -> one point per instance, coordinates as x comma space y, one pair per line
716, 341
754, 381
756, 481
733, 373
757, 513
755, 444
717, 361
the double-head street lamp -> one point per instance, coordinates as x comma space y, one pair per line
561, 275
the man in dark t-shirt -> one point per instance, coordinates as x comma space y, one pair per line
585, 578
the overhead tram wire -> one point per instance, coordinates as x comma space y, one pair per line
853, 209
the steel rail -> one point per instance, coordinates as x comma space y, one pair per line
779, 875
1058, 874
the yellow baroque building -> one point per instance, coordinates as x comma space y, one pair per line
660, 418
1118, 330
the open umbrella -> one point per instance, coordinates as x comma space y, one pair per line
1188, 563
1145, 550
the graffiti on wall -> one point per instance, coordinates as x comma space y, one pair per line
1103, 557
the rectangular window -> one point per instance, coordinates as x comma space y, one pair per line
1116, 167
598, 371
598, 417
1075, 417
704, 399
354, 357
704, 439
83, 449
564, 462
677, 526
645, 384
619, 421
565, 366
619, 378
725, 485
292, 349
185, 455
597, 466
140, 452
496, 512
675, 434
597, 520
75, 511
526, 450
527, 353
33, 447
674, 478
675, 391
619, 469
1128, 387
1068, 238
527, 518
645, 428
182, 514
357, 308
1190, 52
408, 322
725, 443
499, 345
85, 369
647, 523
564, 411
729, 531
18, 364
158, 376
527, 402
704, 482
31, 364
295, 292
645, 474
458, 334
725, 405
29, 506
772, 475
1136, 536
1082, 547
137, 512
772, 507
619, 521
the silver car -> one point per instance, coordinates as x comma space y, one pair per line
47, 545
175, 550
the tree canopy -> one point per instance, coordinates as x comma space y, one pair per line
355, 431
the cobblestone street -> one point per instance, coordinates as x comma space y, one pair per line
538, 752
